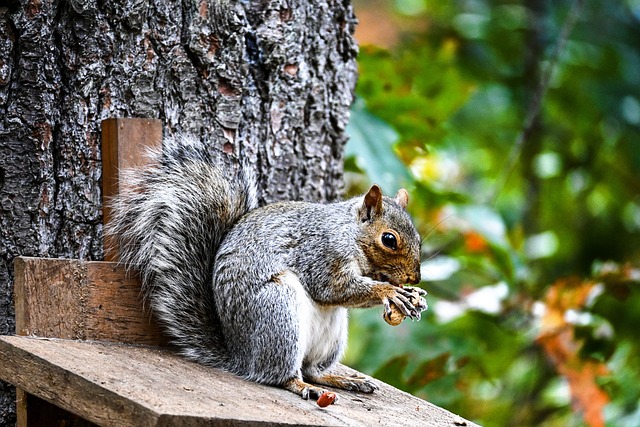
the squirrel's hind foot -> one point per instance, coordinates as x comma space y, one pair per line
351, 383
303, 389
313, 392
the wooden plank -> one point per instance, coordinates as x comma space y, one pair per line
111, 384
125, 143
87, 300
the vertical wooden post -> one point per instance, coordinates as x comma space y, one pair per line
125, 143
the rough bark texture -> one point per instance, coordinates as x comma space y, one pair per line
268, 82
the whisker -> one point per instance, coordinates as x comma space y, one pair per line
433, 228
432, 256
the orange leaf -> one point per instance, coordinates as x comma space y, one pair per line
559, 343
474, 242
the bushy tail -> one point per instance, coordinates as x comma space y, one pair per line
167, 224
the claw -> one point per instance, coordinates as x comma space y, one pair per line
404, 305
305, 393
422, 304
405, 292
387, 306
420, 291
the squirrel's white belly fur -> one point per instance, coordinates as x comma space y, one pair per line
323, 329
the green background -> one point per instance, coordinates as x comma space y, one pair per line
515, 125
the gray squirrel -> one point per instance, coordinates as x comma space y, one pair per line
261, 291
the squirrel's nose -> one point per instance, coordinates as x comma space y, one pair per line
414, 278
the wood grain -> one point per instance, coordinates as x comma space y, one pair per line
87, 300
120, 385
125, 143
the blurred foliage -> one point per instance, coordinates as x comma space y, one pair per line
533, 271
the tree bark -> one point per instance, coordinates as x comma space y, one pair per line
267, 82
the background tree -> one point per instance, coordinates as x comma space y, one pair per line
267, 82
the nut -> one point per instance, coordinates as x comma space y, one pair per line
395, 318
327, 398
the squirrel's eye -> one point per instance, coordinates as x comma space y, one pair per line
389, 240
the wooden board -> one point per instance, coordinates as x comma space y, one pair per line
74, 299
120, 385
125, 143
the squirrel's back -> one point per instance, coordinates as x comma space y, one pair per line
167, 225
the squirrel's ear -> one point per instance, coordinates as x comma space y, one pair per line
402, 198
372, 203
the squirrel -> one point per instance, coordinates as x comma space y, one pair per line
262, 291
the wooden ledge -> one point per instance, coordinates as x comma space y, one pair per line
126, 385
135, 381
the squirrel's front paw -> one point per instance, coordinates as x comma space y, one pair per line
409, 302
417, 298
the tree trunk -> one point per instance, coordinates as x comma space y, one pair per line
267, 82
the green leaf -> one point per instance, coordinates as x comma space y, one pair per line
392, 371
371, 142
